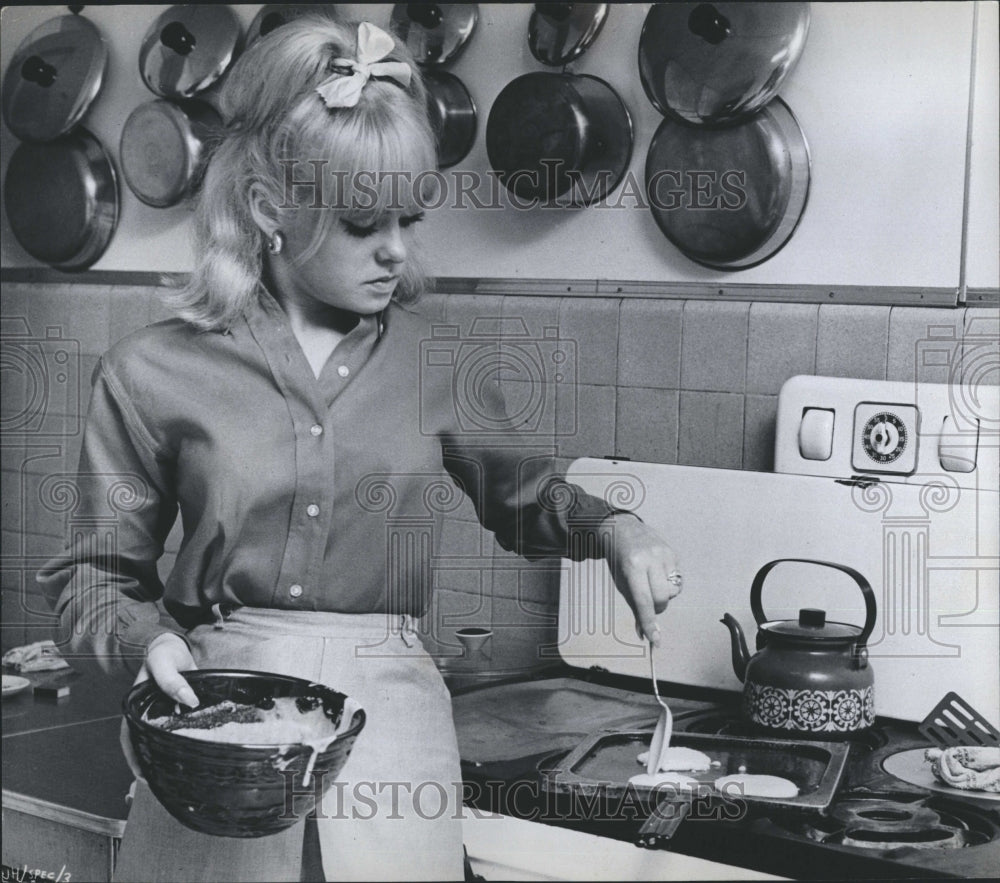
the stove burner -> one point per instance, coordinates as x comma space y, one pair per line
882, 825
885, 824
932, 838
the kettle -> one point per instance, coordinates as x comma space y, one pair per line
809, 677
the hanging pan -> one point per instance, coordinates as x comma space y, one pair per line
729, 197
188, 48
559, 138
164, 147
563, 139
272, 16
452, 114
719, 62
62, 199
435, 33
558, 33
53, 78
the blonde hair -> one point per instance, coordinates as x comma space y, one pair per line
276, 121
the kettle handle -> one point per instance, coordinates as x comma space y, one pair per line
866, 590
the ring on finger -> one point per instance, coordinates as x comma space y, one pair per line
675, 577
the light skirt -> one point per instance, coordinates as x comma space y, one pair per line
395, 811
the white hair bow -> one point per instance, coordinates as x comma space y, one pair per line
343, 88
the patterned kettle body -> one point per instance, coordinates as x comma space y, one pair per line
809, 676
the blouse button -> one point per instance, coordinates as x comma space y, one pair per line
316, 429
295, 591
343, 370
312, 510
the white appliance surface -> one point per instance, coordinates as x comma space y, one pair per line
506, 848
929, 432
929, 549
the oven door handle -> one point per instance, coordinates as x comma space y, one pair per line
657, 830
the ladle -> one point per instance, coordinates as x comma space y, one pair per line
664, 726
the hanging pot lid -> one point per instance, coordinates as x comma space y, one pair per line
163, 147
53, 78
564, 139
452, 113
188, 48
435, 33
729, 196
62, 199
273, 15
561, 32
719, 62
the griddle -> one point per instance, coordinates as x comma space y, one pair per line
599, 768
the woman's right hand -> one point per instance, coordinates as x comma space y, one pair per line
166, 657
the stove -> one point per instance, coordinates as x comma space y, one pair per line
879, 820
897, 481
877, 826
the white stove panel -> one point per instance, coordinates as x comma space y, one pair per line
931, 555
916, 433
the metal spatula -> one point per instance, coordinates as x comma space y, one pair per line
954, 722
664, 726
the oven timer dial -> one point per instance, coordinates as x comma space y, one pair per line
885, 438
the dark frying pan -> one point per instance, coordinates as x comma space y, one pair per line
62, 199
729, 197
559, 138
719, 62
453, 116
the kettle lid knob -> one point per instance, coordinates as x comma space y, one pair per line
810, 617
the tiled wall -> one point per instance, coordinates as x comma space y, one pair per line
693, 382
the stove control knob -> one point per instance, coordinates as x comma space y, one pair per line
957, 449
816, 434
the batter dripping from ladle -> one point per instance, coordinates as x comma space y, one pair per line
666, 763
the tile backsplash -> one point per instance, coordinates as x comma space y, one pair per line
692, 381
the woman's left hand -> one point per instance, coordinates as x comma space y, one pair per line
645, 570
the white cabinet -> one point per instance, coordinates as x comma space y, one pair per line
982, 261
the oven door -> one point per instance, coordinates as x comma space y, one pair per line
506, 848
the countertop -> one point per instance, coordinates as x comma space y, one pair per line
65, 752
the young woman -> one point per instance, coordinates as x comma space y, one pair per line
285, 417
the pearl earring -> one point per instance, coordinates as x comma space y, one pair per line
276, 243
